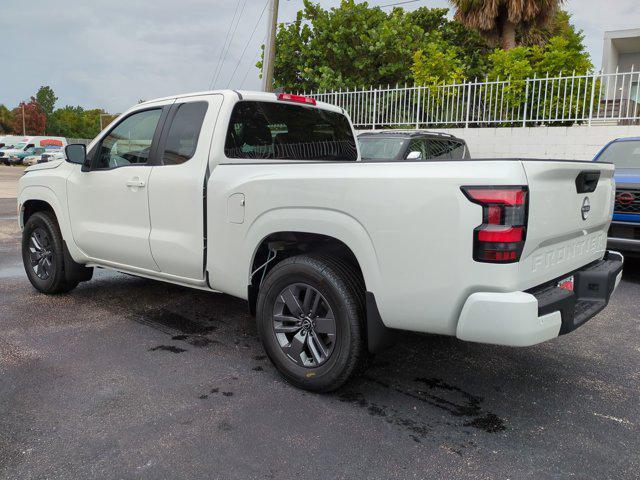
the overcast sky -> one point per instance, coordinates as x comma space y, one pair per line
109, 54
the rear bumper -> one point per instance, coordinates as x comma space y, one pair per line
521, 319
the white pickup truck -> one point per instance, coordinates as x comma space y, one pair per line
263, 197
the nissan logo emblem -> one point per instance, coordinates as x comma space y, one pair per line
625, 198
586, 208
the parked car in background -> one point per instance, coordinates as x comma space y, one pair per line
51, 154
26, 147
35, 157
624, 233
400, 145
43, 155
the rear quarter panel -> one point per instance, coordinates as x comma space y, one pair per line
409, 226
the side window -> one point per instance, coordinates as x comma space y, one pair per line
182, 139
458, 152
439, 149
130, 142
417, 145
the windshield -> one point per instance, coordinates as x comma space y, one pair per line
380, 148
622, 154
268, 130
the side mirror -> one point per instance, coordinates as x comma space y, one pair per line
76, 153
414, 155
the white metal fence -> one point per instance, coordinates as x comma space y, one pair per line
602, 98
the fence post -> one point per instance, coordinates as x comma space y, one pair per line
375, 108
418, 109
593, 93
468, 109
526, 101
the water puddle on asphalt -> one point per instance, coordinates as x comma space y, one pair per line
180, 327
435, 393
167, 348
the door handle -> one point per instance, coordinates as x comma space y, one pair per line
135, 182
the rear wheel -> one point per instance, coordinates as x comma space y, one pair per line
43, 254
310, 316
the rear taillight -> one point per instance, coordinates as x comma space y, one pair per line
289, 97
500, 238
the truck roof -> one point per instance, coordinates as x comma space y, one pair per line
407, 133
243, 95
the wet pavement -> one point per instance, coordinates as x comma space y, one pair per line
131, 378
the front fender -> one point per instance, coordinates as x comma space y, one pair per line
46, 194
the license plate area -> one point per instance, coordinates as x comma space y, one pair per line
566, 283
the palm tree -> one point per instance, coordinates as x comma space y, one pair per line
499, 19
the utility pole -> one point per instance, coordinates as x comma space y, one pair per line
24, 127
270, 48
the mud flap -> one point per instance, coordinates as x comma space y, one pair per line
379, 337
75, 272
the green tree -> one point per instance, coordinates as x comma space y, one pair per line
47, 99
560, 55
559, 26
501, 19
30, 116
6, 120
437, 64
354, 45
556, 57
76, 122
472, 50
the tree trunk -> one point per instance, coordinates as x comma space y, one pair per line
507, 33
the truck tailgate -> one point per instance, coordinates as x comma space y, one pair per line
570, 208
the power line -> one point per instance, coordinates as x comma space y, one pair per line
246, 45
226, 37
397, 3
233, 34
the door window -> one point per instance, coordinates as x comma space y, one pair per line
417, 145
129, 143
458, 151
441, 149
182, 139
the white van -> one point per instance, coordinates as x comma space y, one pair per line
10, 140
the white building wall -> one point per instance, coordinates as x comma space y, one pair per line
565, 143
627, 61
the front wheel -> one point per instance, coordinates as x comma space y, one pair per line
43, 254
310, 317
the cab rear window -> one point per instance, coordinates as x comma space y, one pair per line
280, 131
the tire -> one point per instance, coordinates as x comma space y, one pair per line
299, 340
41, 238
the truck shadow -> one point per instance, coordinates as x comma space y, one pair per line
423, 384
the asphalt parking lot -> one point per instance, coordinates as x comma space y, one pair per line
131, 378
